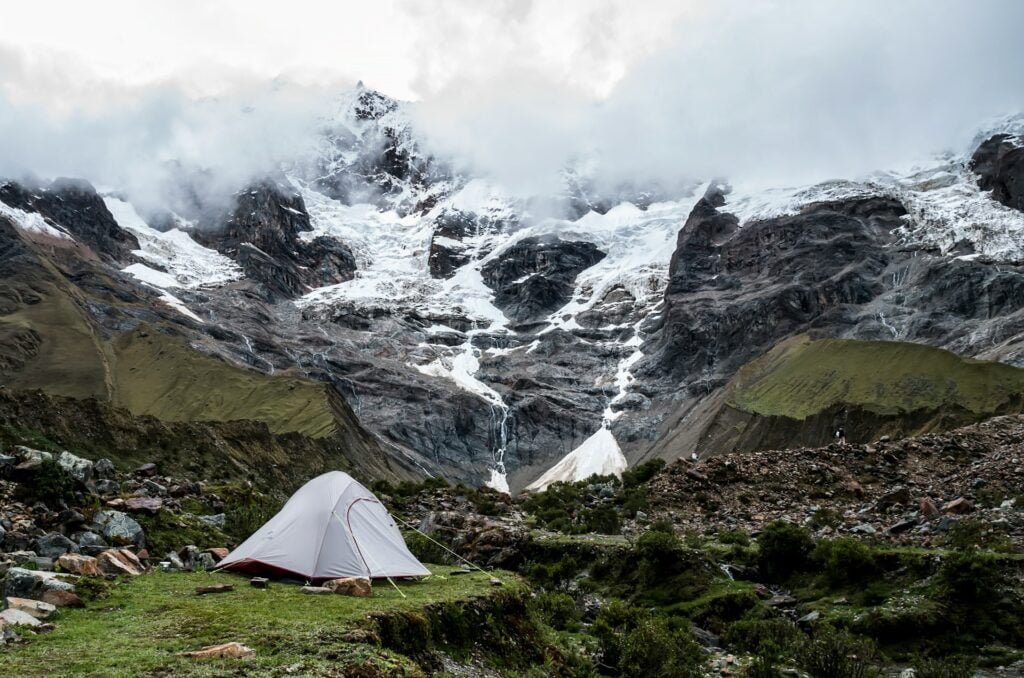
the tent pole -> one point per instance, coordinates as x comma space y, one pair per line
468, 562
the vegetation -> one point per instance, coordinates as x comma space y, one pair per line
784, 549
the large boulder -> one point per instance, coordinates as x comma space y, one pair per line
120, 561
91, 544
103, 468
76, 467
119, 528
22, 583
54, 545
81, 565
36, 608
18, 618
29, 458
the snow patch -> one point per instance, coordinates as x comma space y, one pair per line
598, 455
33, 222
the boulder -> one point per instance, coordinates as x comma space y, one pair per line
205, 561
958, 506
927, 508
76, 467
144, 504
146, 470
107, 487
91, 543
36, 608
218, 553
214, 521
153, 488
120, 561
54, 545
359, 587
119, 528
22, 583
62, 598
103, 468
896, 496
316, 590
19, 618
29, 458
85, 566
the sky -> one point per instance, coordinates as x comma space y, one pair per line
771, 91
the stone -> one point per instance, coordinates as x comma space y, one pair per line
189, 555
809, 618
153, 488
496, 582
226, 651
927, 508
76, 467
84, 566
863, 528
144, 504
107, 487
62, 598
146, 470
91, 543
19, 618
958, 506
36, 608
359, 587
218, 553
54, 545
119, 528
205, 561
855, 488
781, 601
902, 526
120, 561
22, 583
259, 583
316, 591
214, 588
897, 495
173, 563
103, 468
217, 521
29, 458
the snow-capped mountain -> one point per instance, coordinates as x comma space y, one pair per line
482, 339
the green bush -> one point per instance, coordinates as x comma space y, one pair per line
738, 537
640, 474
48, 483
969, 578
784, 550
971, 533
837, 654
634, 642
557, 610
427, 551
826, 517
844, 561
749, 635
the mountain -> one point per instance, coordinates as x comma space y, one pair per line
433, 323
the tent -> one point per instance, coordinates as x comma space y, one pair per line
331, 527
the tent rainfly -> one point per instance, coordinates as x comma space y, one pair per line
331, 527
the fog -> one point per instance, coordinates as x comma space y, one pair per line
772, 93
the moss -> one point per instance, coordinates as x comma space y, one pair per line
166, 532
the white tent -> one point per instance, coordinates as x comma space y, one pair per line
331, 527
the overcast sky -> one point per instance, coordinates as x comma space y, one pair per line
782, 91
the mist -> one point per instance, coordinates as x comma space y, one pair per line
772, 93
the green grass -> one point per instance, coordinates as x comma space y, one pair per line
800, 378
144, 622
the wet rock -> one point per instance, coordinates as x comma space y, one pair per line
350, 586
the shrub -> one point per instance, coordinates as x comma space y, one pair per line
557, 610
48, 483
825, 517
971, 533
425, 550
784, 549
749, 635
969, 578
634, 642
844, 561
603, 520
738, 537
642, 473
947, 667
837, 654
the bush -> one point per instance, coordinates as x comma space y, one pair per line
784, 549
634, 642
837, 654
972, 533
969, 578
738, 537
642, 473
749, 635
844, 561
658, 554
557, 610
947, 667
427, 551
48, 483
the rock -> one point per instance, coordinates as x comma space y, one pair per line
85, 566
902, 526
205, 561
259, 583
54, 545
76, 467
29, 458
855, 488
496, 582
146, 470
809, 618
781, 601
36, 608
144, 504
958, 506
895, 496
119, 528
71, 519
359, 587
103, 468
19, 618
22, 583
120, 561
107, 487
16, 541
153, 488
863, 528
62, 598
215, 588
91, 543
172, 563
927, 508
217, 521
218, 553
316, 590
226, 651
189, 555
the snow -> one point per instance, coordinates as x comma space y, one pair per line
176, 303
33, 222
598, 455
188, 264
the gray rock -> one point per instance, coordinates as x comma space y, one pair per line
146, 470
153, 488
863, 528
809, 618
103, 468
105, 486
22, 583
78, 468
54, 545
217, 520
91, 543
205, 561
19, 618
29, 458
119, 528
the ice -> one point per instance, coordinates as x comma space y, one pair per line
33, 222
598, 455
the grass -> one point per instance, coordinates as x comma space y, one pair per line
801, 377
144, 622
